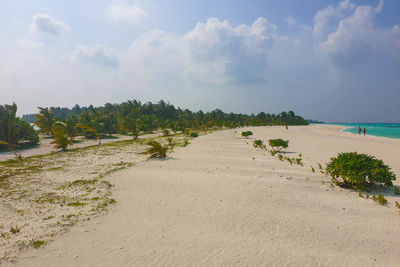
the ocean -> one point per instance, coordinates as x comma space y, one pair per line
377, 129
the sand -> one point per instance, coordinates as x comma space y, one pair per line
222, 202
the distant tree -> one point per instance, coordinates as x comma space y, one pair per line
44, 120
13, 130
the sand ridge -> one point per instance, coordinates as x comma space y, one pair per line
222, 202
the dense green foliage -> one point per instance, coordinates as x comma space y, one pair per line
278, 144
133, 116
156, 150
61, 138
194, 135
247, 134
359, 170
13, 130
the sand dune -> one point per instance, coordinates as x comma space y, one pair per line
222, 202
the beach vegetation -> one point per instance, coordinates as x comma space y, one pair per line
312, 169
37, 243
165, 132
44, 120
246, 134
61, 138
396, 190
299, 161
156, 150
353, 170
258, 143
273, 152
397, 204
280, 157
320, 166
14, 132
380, 199
194, 135
15, 230
278, 144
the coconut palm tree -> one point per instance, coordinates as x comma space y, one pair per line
44, 120
156, 150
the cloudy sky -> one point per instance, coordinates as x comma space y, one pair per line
326, 60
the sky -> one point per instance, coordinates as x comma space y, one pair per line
334, 61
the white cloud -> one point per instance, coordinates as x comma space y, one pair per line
30, 44
44, 23
290, 20
98, 54
324, 16
126, 13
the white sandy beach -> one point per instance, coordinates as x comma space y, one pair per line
222, 202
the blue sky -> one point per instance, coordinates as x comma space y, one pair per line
326, 60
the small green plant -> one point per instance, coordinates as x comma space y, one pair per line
396, 190
319, 166
171, 143
37, 243
273, 152
185, 142
312, 169
76, 204
290, 160
156, 150
165, 132
278, 144
280, 157
359, 193
380, 199
193, 135
15, 230
359, 170
247, 134
397, 204
186, 132
299, 161
300, 155
258, 143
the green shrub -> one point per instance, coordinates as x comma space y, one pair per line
278, 144
312, 169
273, 152
359, 170
165, 132
299, 161
247, 134
194, 135
156, 150
397, 204
396, 190
380, 198
280, 157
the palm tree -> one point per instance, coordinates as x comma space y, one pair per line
61, 138
156, 150
44, 120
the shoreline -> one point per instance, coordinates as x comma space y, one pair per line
344, 127
220, 201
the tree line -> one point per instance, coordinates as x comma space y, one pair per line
130, 117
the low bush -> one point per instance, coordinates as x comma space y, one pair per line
280, 157
194, 135
359, 170
380, 199
258, 143
247, 134
396, 190
278, 144
156, 150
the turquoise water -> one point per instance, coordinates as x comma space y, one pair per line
376, 129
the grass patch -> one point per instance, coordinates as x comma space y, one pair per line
37, 243
76, 204
380, 199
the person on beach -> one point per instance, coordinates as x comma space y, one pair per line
359, 130
364, 130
